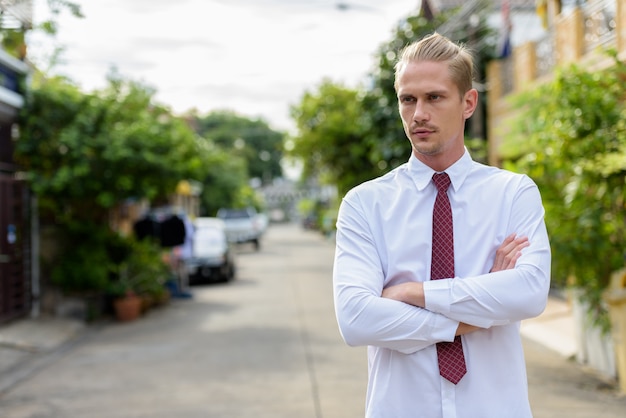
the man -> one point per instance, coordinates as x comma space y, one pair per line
386, 239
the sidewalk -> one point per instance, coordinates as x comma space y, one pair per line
554, 328
28, 344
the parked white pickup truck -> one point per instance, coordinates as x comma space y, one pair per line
243, 225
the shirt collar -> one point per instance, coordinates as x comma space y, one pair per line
423, 174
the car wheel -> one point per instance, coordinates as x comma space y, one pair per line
206, 272
230, 274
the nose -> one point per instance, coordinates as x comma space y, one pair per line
420, 114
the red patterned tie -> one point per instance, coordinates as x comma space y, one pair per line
450, 354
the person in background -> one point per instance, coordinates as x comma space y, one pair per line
439, 260
181, 255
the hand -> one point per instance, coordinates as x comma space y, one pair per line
508, 252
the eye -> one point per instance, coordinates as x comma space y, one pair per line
407, 99
434, 97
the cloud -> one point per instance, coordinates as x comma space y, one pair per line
257, 56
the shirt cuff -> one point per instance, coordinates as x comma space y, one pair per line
444, 329
437, 296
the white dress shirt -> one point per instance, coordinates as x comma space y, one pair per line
384, 232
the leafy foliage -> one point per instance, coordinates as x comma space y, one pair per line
225, 182
570, 137
84, 264
239, 149
94, 260
331, 136
86, 152
252, 140
140, 268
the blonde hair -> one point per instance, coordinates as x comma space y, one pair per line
438, 48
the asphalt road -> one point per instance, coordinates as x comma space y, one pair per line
263, 346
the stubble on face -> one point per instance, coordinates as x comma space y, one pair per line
425, 147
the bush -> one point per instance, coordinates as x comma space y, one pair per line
570, 137
95, 261
142, 271
85, 263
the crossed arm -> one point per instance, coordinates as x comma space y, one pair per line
412, 293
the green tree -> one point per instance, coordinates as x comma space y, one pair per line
251, 139
84, 153
225, 181
570, 137
238, 149
332, 132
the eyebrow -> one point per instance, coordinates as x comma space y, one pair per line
437, 92
428, 93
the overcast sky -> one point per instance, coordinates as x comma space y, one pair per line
255, 57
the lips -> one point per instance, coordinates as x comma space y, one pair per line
422, 132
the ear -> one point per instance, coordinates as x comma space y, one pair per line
470, 100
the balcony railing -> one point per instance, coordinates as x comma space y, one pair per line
546, 54
16, 14
600, 24
581, 32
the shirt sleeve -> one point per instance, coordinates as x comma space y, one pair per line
363, 316
505, 296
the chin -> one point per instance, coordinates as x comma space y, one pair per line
426, 150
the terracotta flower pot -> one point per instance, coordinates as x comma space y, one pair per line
127, 308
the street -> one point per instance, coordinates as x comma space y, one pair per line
265, 346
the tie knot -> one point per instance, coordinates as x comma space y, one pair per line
442, 181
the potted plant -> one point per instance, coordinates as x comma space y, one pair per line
140, 280
79, 263
127, 306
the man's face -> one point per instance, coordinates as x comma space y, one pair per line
433, 113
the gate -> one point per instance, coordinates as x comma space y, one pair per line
15, 249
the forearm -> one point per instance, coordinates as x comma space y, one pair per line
466, 328
492, 299
365, 319
412, 293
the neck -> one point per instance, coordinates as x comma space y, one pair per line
439, 162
